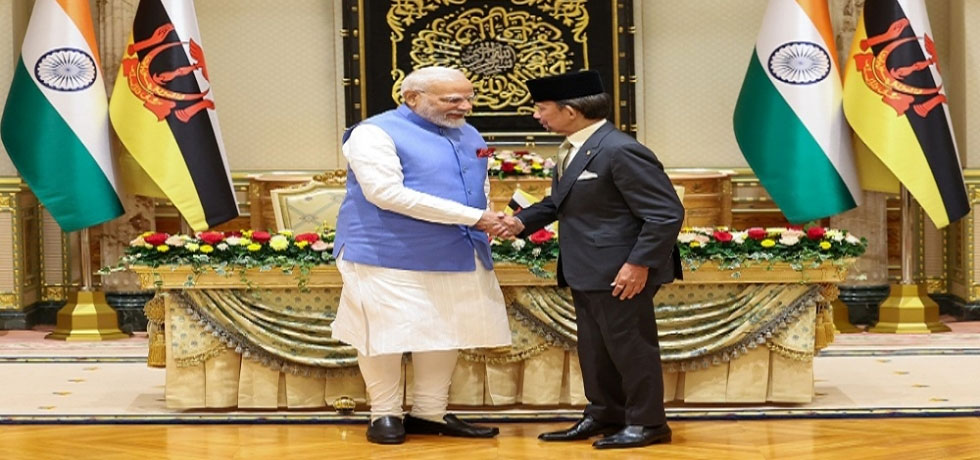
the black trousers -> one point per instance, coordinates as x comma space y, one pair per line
620, 357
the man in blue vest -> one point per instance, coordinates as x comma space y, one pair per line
414, 254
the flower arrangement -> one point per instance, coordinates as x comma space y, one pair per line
519, 163
225, 253
799, 247
231, 251
535, 251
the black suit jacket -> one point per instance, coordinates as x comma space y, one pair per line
629, 212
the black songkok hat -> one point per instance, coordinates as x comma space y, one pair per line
565, 86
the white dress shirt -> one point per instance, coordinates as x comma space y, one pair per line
578, 138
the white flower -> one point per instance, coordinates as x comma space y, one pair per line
789, 240
685, 237
536, 252
548, 164
518, 244
702, 239
775, 230
793, 233
852, 239
222, 246
835, 235
137, 242
739, 237
175, 241
233, 240
319, 245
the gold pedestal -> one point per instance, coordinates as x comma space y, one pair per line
87, 317
908, 310
842, 321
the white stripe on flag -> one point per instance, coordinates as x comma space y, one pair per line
819, 105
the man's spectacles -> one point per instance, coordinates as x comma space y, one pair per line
455, 100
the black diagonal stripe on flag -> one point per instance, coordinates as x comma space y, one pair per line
932, 131
196, 137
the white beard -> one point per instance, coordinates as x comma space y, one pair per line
431, 114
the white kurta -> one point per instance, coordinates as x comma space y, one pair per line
385, 310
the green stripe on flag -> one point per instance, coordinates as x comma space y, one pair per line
52, 160
784, 155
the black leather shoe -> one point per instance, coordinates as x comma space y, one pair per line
585, 428
635, 436
453, 426
386, 430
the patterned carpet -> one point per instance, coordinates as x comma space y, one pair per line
860, 375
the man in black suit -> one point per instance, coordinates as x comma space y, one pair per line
619, 217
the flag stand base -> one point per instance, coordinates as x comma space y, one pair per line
87, 318
908, 310
842, 321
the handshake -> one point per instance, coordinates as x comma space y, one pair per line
499, 224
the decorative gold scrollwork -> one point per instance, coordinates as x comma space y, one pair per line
497, 48
333, 177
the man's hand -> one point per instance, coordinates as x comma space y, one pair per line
511, 226
499, 224
490, 222
630, 280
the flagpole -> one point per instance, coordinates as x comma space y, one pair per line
86, 316
908, 308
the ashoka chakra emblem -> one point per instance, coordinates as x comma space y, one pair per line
66, 69
799, 63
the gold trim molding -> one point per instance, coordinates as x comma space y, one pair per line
8, 301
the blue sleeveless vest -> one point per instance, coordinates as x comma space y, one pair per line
437, 161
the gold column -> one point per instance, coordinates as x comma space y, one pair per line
868, 220
19, 251
871, 269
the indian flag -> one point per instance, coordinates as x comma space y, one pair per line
789, 122
55, 125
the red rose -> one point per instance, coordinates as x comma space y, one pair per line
211, 237
507, 166
757, 233
485, 152
308, 237
156, 239
261, 237
815, 233
723, 237
541, 236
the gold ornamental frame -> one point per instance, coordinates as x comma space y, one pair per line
573, 14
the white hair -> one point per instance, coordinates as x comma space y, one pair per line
420, 79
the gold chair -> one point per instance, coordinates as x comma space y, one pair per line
305, 207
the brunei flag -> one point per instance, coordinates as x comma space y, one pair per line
519, 201
788, 119
895, 102
163, 110
55, 124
